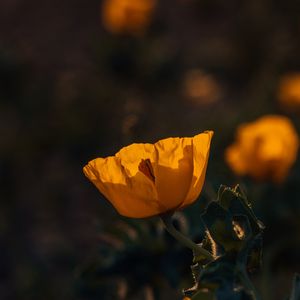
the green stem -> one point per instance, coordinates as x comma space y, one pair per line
167, 221
248, 284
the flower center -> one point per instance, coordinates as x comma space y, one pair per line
146, 168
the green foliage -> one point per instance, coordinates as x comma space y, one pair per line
236, 235
137, 255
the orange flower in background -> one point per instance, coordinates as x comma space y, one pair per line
264, 149
127, 16
144, 180
289, 91
201, 88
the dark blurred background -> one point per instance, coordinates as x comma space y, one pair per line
72, 90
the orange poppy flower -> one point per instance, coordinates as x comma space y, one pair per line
265, 149
127, 16
289, 91
144, 180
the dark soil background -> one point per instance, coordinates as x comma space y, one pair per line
71, 91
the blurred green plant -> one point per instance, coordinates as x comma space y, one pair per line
234, 236
135, 258
139, 260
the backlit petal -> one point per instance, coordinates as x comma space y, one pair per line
132, 155
173, 170
132, 196
201, 146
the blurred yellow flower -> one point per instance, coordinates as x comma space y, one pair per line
264, 149
289, 90
144, 180
201, 88
127, 16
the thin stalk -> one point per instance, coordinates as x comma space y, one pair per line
248, 284
198, 250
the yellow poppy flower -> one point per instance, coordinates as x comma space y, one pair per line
289, 91
264, 149
127, 16
144, 180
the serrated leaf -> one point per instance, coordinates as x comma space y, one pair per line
233, 226
222, 188
218, 272
195, 273
254, 259
219, 277
236, 204
241, 227
221, 227
208, 244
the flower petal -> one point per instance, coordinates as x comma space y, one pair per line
132, 196
132, 155
201, 146
173, 170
